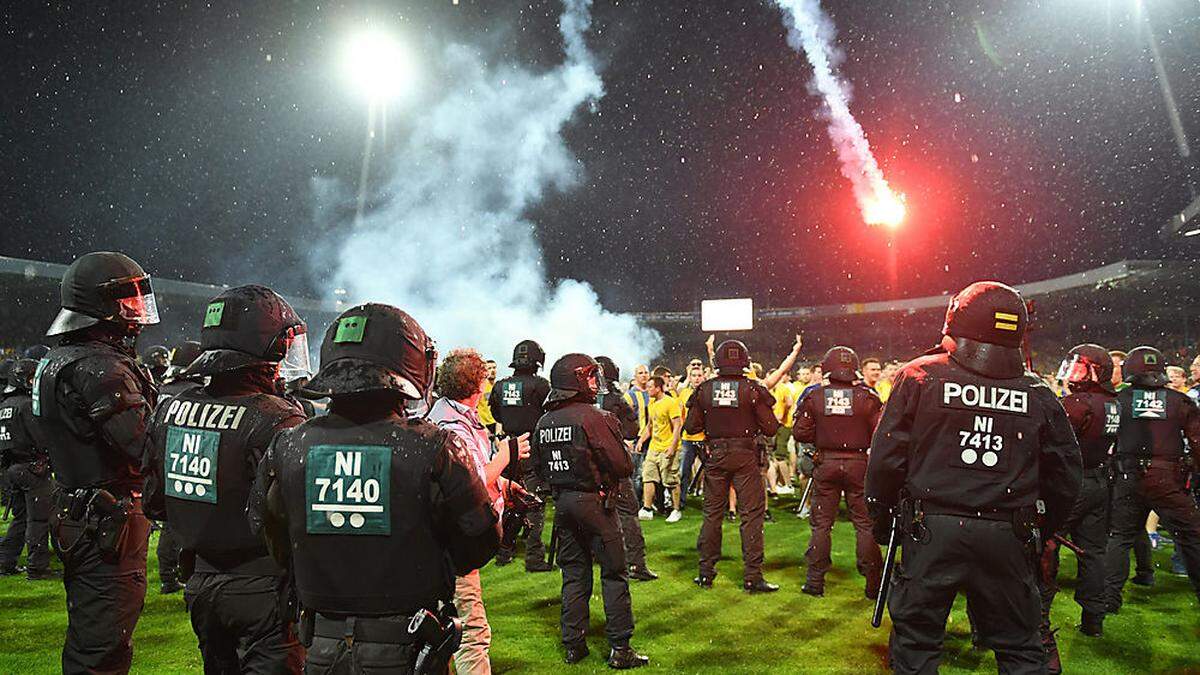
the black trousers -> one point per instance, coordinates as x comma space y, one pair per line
1086, 527
1161, 489
631, 528
236, 620
535, 550
336, 656
837, 474
105, 596
739, 468
168, 554
986, 561
31, 506
587, 531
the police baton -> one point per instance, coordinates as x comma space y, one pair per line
553, 550
1059, 539
807, 491
885, 582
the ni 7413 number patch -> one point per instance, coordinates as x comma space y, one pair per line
347, 489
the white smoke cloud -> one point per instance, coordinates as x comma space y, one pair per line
810, 30
450, 243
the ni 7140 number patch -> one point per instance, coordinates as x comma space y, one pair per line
347, 489
191, 464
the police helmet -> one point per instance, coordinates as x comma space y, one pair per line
376, 347
184, 353
732, 357
987, 321
1145, 367
1087, 363
840, 364
105, 286
251, 325
20, 378
574, 376
528, 354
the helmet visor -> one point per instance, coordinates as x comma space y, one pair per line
134, 298
296, 363
1074, 369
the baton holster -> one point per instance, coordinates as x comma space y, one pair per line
436, 637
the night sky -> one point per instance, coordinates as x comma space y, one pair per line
1030, 138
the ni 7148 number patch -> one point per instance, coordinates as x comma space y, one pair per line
347, 489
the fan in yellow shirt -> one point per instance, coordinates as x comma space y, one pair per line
661, 466
693, 444
485, 410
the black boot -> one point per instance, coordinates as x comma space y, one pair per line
641, 573
1092, 625
623, 658
576, 653
760, 586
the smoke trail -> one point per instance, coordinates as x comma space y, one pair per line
451, 245
810, 30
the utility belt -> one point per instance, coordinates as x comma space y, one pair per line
842, 452
261, 566
433, 637
731, 444
103, 517
1100, 472
1025, 520
1001, 515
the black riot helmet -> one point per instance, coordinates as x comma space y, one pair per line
609, 369
574, 376
732, 357
20, 378
105, 286
840, 364
376, 347
1145, 367
251, 325
184, 353
157, 356
527, 355
1087, 363
987, 321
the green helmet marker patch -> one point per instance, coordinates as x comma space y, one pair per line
212, 315
351, 329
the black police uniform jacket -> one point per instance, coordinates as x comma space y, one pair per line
518, 401
379, 515
92, 404
847, 415
954, 438
1094, 416
17, 444
577, 446
614, 402
731, 406
1155, 421
203, 453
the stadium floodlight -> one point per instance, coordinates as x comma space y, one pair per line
377, 65
726, 315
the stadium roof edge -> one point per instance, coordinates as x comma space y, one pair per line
47, 270
1086, 279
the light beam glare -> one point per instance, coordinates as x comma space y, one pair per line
811, 31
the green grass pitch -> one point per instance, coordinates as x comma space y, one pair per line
681, 628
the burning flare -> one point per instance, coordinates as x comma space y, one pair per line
811, 31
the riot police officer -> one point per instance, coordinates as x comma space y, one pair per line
175, 381
157, 360
839, 418
1152, 468
972, 443
732, 410
577, 450
517, 402
205, 446
610, 400
91, 405
368, 484
26, 466
1092, 409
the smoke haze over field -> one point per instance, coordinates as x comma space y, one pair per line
448, 240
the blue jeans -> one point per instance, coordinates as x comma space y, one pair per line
691, 451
